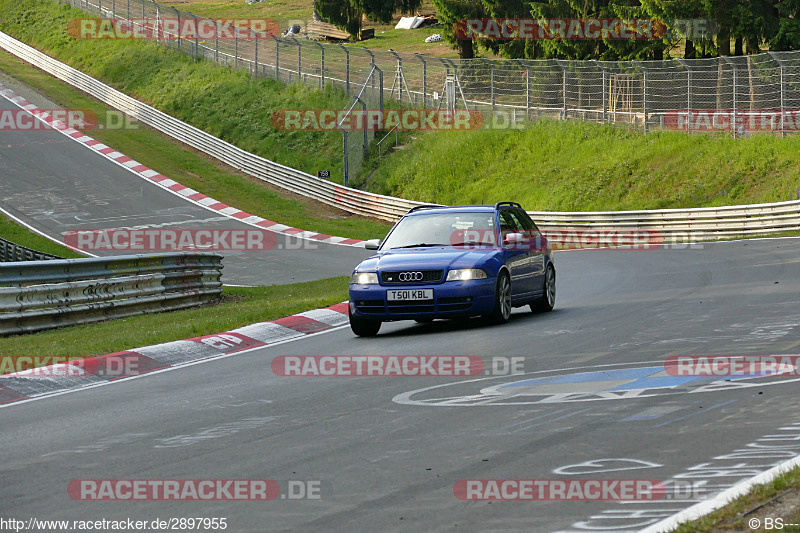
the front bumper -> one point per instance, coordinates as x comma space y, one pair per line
451, 299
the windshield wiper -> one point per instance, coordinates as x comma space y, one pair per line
472, 243
421, 245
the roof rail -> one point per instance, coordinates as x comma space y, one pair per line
427, 206
511, 204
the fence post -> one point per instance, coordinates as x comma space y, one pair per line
783, 103
235, 46
603, 93
644, 92
688, 68
322, 64
255, 56
346, 166
733, 66
563, 89
347, 67
299, 58
178, 14
491, 85
424, 79
366, 138
144, 19
129, 11
216, 41
277, 57
399, 77
527, 91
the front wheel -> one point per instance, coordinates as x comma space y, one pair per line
548, 299
502, 300
363, 327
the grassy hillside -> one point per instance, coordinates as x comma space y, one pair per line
224, 102
576, 166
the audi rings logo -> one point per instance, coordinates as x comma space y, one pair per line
410, 276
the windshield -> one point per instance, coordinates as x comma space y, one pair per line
442, 229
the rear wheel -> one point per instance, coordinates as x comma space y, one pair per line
548, 299
363, 327
502, 300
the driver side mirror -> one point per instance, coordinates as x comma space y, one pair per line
513, 239
372, 244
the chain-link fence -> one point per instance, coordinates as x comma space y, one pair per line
738, 94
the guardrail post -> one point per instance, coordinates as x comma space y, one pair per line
322, 64
424, 79
347, 66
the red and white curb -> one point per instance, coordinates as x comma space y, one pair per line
81, 373
168, 184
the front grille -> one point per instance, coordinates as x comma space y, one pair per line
412, 276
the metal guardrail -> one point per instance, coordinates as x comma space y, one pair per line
699, 223
11, 251
37, 295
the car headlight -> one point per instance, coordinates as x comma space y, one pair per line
464, 274
364, 278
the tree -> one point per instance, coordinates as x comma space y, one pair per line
451, 13
347, 14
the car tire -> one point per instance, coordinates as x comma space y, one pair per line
363, 327
502, 300
548, 299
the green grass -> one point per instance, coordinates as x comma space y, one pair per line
196, 170
579, 166
241, 306
287, 12
227, 103
734, 516
11, 231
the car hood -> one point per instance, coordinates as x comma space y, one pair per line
425, 259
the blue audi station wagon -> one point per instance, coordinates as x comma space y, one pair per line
453, 262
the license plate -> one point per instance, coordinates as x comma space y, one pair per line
409, 294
